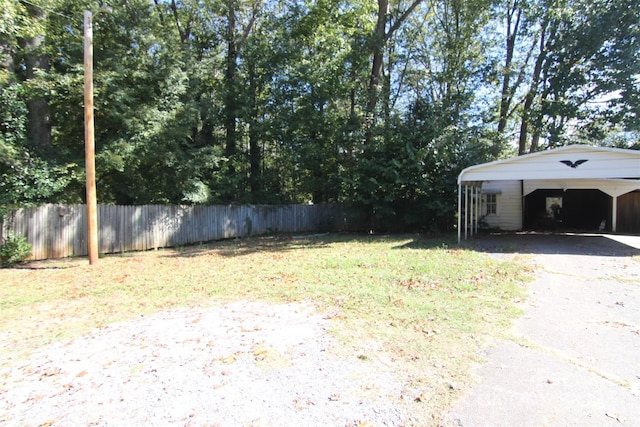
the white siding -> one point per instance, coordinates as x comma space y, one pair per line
509, 199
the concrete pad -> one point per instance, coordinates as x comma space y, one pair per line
574, 359
528, 387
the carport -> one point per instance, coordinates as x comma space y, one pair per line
583, 187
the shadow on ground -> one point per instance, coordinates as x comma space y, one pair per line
286, 242
557, 243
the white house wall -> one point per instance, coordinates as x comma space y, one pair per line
509, 204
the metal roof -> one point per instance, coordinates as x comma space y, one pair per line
568, 162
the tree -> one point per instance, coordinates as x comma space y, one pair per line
513, 71
387, 23
247, 101
36, 64
581, 64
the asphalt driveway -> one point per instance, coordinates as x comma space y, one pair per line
574, 359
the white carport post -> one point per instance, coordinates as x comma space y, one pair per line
459, 213
477, 209
466, 212
469, 199
614, 214
468, 220
472, 210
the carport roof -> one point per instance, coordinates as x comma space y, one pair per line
569, 162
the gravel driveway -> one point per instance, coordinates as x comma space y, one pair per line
241, 364
575, 356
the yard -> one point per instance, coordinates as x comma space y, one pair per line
414, 307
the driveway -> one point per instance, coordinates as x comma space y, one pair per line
574, 359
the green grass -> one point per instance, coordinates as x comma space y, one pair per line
424, 305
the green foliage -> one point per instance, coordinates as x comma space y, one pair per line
25, 177
14, 250
34, 181
13, 114
274, 102
575, 77
601, 41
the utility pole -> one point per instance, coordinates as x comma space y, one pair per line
89, 143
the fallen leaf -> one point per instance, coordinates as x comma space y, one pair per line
50, 372
260, 350
616, 417
422, 397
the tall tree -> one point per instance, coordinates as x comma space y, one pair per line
237, 32
516, 25
583, 66
36, 63
387, 23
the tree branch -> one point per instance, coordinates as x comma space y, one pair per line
401, 19
249, 27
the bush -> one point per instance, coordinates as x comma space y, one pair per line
14, 249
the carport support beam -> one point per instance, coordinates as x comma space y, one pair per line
473, 211
614, 214
477, 213
466, 211
459, 213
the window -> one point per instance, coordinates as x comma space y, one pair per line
492, 204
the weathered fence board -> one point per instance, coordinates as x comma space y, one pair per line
57, 231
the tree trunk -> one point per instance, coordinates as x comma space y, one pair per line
380, 37
533, 90
506, 93
184, 33
378, 43
255, 155
386, 87
535, 138
38, 116
7, 53
230, 83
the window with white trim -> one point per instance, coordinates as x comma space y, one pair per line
492, 204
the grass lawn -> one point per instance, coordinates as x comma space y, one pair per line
424, 305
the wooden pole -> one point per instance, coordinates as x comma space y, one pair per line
89, 143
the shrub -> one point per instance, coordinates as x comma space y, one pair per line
14, 249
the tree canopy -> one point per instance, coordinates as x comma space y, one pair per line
377, 104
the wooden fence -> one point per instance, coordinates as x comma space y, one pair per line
57, 231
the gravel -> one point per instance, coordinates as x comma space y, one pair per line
239, 364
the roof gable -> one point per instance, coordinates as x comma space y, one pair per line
569, 162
